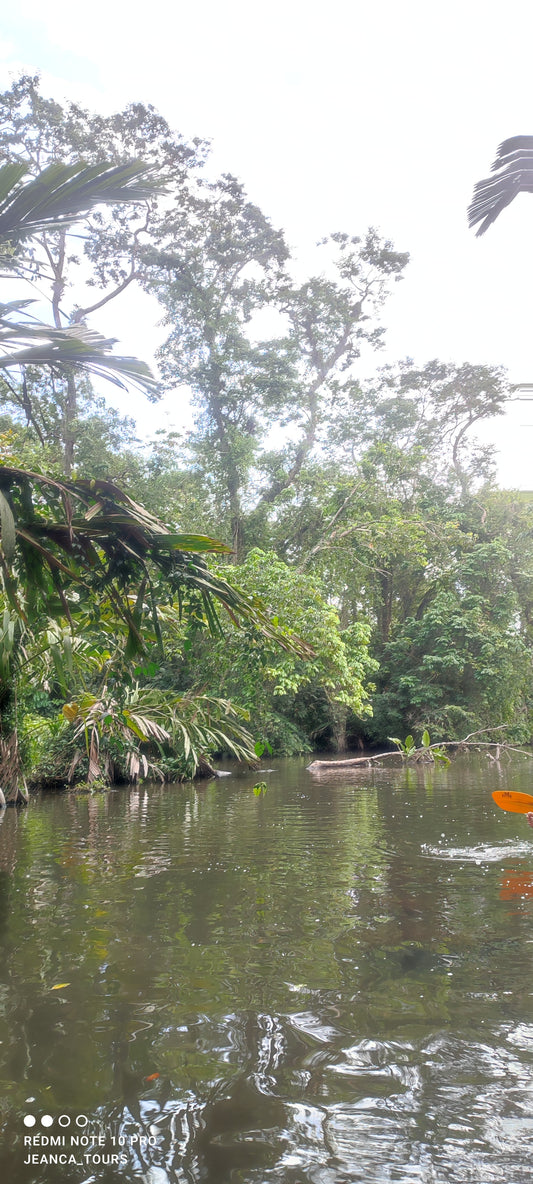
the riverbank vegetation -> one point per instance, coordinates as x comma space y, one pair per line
322, 561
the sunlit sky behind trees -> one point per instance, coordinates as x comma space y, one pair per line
335, 116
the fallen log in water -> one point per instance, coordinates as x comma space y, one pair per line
351, 761
426, 753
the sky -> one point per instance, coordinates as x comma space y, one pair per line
336, 115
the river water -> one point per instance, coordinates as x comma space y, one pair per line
326, 984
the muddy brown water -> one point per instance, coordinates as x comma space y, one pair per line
327, 984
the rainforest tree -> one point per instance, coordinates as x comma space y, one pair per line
82, 556
355, 498
84, 272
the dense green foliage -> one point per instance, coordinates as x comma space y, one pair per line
361, 512
294, 701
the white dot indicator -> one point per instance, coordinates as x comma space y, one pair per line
64, 1120
46, 1120
29, 1120
81, 1120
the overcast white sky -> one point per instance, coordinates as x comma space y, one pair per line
336, 115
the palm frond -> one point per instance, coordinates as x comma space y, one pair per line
31, 343
105, 544
59, 195
147, 727
513, 169
63, 193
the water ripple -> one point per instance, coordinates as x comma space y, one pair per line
483, 853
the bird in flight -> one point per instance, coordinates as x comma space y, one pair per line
513, 173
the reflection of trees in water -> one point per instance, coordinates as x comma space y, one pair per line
10, 841
232, 1122
282, 963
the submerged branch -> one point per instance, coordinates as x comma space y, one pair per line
425, 752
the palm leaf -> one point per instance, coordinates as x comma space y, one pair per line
53, 200
109, 546
33, 344
62, 193
513, 169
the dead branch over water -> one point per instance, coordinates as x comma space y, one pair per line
425, 752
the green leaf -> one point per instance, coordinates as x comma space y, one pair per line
425, 739
399, 743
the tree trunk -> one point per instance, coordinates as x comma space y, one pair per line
340, 726
384, 609
11, 776
69, 420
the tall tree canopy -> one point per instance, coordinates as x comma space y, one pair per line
355, 498
71, 554
85, 272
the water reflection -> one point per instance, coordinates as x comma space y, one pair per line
516, 884
330, 983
